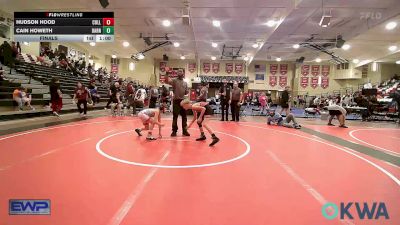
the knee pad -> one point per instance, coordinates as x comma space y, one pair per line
200, 124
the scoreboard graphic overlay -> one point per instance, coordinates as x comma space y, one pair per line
64, 26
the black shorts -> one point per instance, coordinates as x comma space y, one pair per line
285, 105
335, 112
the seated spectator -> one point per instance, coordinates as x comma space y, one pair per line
277, 119
2, 77
93, 93
21, 97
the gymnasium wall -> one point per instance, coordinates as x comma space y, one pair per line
143, 70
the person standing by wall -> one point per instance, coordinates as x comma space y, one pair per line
236, 100
180, 89
225, 93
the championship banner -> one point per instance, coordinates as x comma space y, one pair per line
162, 71
315, 70
114, 68
325, 82
238, 68
305, 70
314, 82
282, 81
325, 70
215, 67
283, 68
206, 67
272, 80
273, 68
304, 82
192, 67
229, 67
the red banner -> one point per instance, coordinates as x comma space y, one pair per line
273, 68
272, 81
282, 81
325, 82
206, 67
314, 82
114, 68
238, 68
304, 82
192, 67
215, 67
305, 70
283, 68
229, 67
162, 71
325, 70
315, 70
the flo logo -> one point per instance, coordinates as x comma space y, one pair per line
376, 210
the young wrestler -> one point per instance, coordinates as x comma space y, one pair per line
276, 118
150, 117
199, 111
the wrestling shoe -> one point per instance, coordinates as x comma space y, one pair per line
201, 138
185, 133
215, 141
138, 132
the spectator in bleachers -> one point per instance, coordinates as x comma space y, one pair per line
81, 96
7, 54
93, 93
55, 96
21, 97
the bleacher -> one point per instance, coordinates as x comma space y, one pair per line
36, 78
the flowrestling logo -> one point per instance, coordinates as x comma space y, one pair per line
29, 207
364, 210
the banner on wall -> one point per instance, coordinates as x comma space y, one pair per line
314, 82
325, 82
272, 81
114, 68
192, 67
282, 81
283, 68
206, 67
315, 70
304, 82
215, 67
162, 71
229, 67
305, 70
238, 68
273, 68
325, 69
